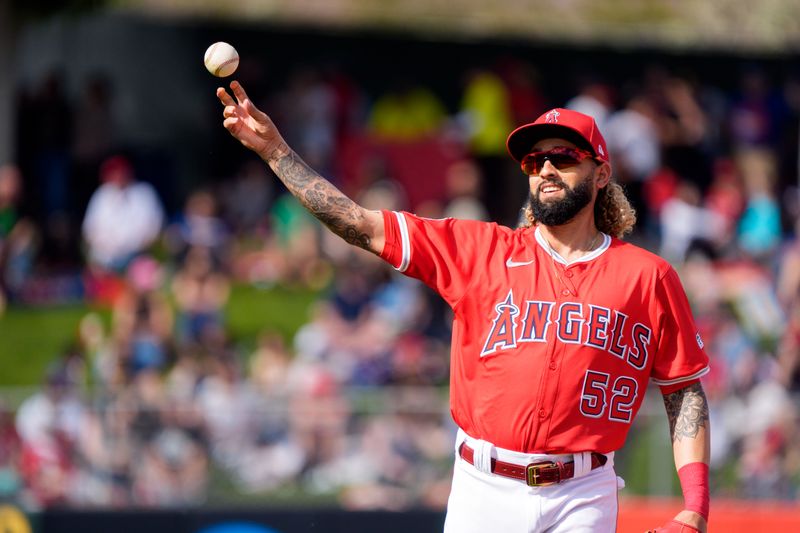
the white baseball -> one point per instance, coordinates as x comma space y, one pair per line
221, 59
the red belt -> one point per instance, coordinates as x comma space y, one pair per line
535, 474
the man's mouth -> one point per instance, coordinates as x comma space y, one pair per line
548, 188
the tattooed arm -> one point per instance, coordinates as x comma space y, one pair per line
255, 130
687, 411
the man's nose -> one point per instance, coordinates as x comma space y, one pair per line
548, 169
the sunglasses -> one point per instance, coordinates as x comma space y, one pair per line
560, 157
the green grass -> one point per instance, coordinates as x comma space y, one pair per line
252, 310
31, 338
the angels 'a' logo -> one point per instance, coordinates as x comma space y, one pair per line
504, 329
600, 149
552, 117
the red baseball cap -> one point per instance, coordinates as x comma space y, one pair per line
114, 167
558, 123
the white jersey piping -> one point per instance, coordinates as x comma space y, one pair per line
405, 242
675, 381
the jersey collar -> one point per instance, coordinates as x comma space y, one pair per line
588, 257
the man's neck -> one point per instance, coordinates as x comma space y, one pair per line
574, 239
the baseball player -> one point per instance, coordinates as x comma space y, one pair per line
558, 329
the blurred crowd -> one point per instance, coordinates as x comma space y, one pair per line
155, 408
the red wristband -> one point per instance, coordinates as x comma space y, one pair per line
694, 484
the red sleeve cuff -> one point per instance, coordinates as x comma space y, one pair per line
393, 247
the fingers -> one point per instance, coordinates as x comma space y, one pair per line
232, 124
238, 91
229, 111
241, 100
224, 97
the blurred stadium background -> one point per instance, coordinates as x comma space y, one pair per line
218, 363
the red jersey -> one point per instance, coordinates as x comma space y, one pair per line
549, 357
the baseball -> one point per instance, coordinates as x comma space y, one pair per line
221, 59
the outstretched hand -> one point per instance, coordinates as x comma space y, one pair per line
251, 126
680, 524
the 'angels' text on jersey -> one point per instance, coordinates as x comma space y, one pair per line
574, 322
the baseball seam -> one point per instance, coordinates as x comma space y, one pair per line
210, 51
224, 64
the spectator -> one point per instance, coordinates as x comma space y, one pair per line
755, 116
633, 138
726, 198
318, 415
247, 200
201, 292
270, 364
789, 352
49, 424
464, 181
229, 404
10, 453
486, 109
684, 221
18, 236
525, 95
297, 238
682, 124
594, 99
107, 452
143, 319
409, 112
760, 224
199, 226
123, 219
309, 107
173, 471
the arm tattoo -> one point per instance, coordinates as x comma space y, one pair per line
687, 410
327, 203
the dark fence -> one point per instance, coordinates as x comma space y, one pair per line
230, 521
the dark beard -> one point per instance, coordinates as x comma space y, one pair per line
560, 212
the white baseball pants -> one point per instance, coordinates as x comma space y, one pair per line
481, 502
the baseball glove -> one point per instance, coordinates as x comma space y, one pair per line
674, 526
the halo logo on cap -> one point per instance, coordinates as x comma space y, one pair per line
558, 123
552, 117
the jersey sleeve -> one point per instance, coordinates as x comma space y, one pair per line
680, 358
442, 253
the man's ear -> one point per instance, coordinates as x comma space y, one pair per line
602, 175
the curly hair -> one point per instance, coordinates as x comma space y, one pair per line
613, 213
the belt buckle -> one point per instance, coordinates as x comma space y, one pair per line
532, 474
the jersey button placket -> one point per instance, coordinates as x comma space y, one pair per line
567, 284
